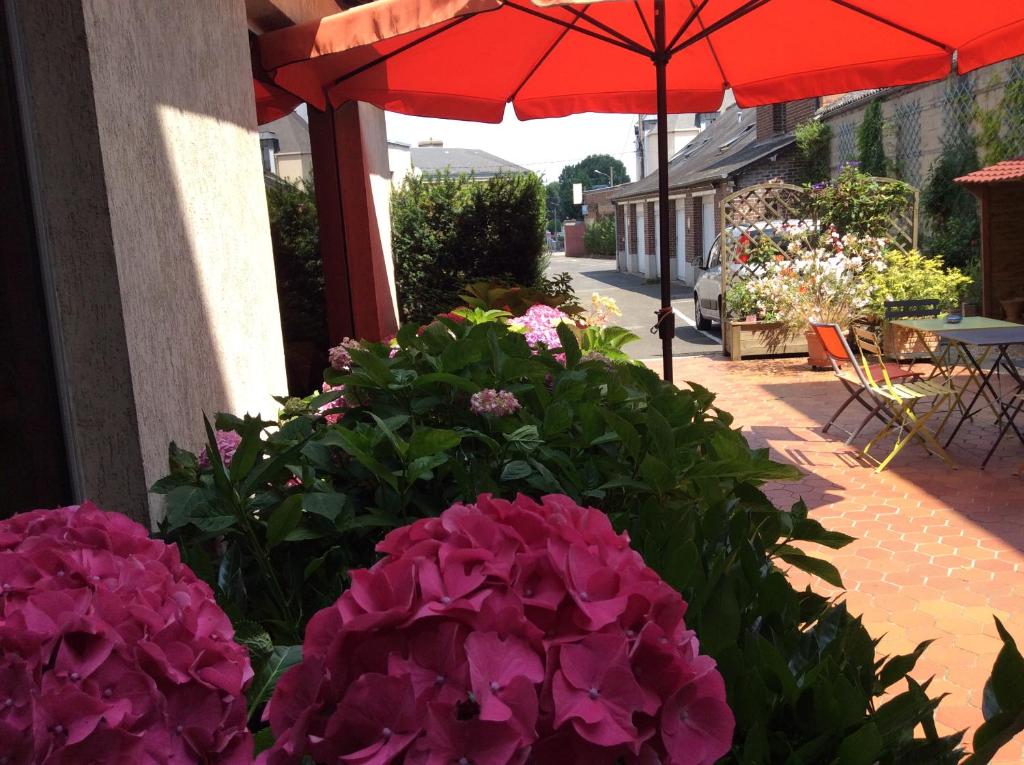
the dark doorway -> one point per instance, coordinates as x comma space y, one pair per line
33, 460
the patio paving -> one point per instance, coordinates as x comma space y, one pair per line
938, 551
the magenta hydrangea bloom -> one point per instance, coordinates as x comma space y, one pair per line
500, 403
540, 325
111, 650
332, 409
227, 445
503, 632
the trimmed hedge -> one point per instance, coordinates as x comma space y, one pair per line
449, 230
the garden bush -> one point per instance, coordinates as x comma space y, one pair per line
465, 406
450, 230
913, 276
295, 235
599, 238
856, 203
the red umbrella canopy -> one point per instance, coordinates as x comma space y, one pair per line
465, 59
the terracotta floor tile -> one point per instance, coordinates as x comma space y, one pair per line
938, 551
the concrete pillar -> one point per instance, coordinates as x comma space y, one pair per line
353, 186
153, 232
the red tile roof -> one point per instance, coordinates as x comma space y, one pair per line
1001, 172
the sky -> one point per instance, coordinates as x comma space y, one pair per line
544, 146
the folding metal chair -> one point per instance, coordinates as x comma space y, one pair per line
918, 309
901, 399
892, 402
845, 367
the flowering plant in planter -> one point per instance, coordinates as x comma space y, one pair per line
111, 650
503, 632
828, 283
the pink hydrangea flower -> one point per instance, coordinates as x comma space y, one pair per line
227, 444
539, 325
330, 410
340, 357
111, 650
503, 633
500, 403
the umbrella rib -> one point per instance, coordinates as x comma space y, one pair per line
688, 22
748, 7
899, 27
542, 59
399, 50
607, 29
647, 27
626, 43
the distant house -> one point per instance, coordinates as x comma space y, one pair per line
739, 148
597, 203
432, 158
285, 146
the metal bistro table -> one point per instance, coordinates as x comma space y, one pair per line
945, 362
999, 338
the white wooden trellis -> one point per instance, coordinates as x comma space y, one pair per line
751, 217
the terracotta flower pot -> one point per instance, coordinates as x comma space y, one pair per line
816, 355
1013, 308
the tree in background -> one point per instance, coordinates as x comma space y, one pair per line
450, 230
814, 143
591, 171
554, 206
870, 141
950, 211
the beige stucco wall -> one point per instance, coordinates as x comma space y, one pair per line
294, 167
171, 256
987, 88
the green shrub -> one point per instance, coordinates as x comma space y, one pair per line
450, 230
303, 500
814, 143
856, 203
599, 238
295, 235
950, 211
871, 141
913, 276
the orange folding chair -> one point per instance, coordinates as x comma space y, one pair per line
847, 370
895, 402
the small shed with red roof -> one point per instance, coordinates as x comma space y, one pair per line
1000, 189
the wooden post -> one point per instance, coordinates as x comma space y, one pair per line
359, 297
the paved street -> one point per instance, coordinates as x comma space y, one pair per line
638, 301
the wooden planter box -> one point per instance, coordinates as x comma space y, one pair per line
904, 344
750, 339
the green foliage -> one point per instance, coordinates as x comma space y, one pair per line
950, 211
741, 299
295, 234
857, 203
814, 143
303, 501
450, 230
588, 172
999, 129
871, 141
1002, 702
913, 276
556, 292
599, 238
553, 204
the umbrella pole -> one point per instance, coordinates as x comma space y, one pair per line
666, 318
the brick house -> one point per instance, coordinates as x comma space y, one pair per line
598, 203
740, 148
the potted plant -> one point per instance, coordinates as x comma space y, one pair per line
828, 283
912, 276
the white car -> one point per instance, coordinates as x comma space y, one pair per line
707, 292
